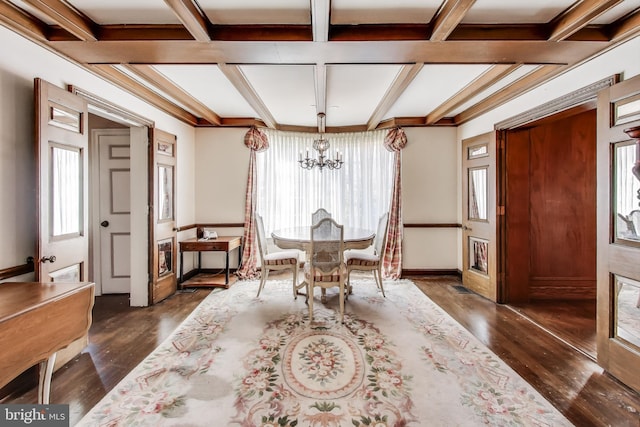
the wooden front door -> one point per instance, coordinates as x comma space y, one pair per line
618, 260
479, 271
163, 236
62, 249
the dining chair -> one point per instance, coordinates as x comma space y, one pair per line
321, 213
366, 261
275, 261
325, 267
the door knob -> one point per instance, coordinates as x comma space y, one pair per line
104, 223
50, 259
466, 228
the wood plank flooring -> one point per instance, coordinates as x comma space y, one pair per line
122, 336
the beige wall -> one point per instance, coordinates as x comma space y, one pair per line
429, 175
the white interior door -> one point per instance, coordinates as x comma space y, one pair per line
479, 271
62, 249
114, 209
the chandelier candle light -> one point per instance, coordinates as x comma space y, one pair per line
321, 146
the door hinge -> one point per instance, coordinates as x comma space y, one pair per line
500, 210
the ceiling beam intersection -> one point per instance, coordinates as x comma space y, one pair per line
578, 17
448, 17
69, 19
192, 18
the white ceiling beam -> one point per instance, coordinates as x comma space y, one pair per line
320, 15
320, 75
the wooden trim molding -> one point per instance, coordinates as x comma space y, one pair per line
241, 225
19, 270
432, 225
575, 98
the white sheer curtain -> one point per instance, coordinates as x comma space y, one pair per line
356, 195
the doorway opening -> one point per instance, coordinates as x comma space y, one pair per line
549, 191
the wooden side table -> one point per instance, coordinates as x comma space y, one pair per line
222, 244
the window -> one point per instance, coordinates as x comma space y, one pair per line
356, 195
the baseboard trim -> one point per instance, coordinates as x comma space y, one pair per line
431, 272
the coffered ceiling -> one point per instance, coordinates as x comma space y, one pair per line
366, 64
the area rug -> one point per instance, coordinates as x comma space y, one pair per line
238, 360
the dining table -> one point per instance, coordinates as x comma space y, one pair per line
300, 238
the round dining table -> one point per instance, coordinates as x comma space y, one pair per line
300, 238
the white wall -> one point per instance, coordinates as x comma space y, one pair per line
21, 61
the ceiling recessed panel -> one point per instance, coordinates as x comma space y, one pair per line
210, 86
126, 11
515, 11
383, 11
512, 77
230, 12
432, 86
286, 90
354, 91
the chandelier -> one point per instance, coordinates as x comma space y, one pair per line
321, 145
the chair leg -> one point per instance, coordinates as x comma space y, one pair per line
378, 276
310, 299
263, 279
295, 282
342, 297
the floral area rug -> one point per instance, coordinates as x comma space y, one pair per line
238, 360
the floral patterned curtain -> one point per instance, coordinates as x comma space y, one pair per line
395, 141
256, 141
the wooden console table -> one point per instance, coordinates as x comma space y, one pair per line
36, 321
222, 243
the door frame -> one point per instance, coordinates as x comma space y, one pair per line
141, 221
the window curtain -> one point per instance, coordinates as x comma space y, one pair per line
356, 195
256, 141
394, 141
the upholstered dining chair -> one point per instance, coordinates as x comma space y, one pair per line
275, 261
367, 261
325, 267
321, 213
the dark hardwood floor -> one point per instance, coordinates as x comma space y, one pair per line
122, 336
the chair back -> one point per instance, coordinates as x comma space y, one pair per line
262, 238
327, 246
381, 234
318, 215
